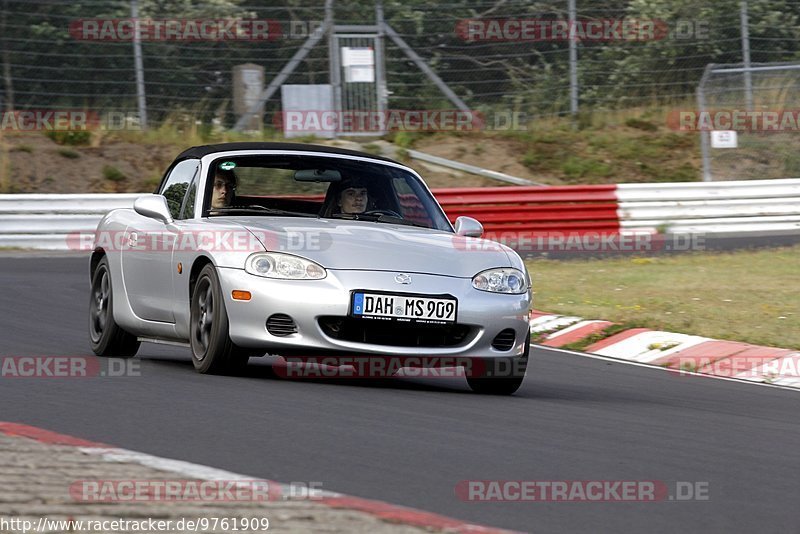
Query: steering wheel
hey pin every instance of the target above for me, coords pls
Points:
(384, 212)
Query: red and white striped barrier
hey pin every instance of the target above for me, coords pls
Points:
(685, 354)
(691, 207)
(509, 214)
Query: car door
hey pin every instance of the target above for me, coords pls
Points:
(147, 250)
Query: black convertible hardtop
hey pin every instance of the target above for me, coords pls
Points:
(204, 150)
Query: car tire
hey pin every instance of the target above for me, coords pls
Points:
(213, 352)
(499, 376)
(107, 338)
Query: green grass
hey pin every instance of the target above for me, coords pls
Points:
(5, 167)
(613, 146)
(750, 296)
(585, 170)
(619, 150)
(581, 344)
(640, 124)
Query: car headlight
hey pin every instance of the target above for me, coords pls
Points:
(283, 266)
(506, 280)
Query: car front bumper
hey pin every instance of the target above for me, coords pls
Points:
(306, 301)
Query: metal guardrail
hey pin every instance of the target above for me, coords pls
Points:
(95, 204)
(712, 208)
(42, 221)
(465, 167)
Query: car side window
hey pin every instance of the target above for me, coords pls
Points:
(188, 203)
(176, 185)
(411, 206)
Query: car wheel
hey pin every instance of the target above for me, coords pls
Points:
(213, 352)
(106, 336)
(500, 376)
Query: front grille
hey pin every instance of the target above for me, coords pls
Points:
(396, 334)
(504, 340)
(281, 325)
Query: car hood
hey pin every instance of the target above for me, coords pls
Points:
(364, 245)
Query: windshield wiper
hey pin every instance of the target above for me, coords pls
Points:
(260, 209)
(354, 216)
(381, 218)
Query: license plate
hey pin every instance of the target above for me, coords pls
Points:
(404, 308)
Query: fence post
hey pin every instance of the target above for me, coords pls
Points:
(573, 63)
(748, 77)
(138, 64)
(704, 136)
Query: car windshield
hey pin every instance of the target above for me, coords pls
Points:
(324, 187)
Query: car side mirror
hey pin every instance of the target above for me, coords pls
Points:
(468, 227)
(154, 207)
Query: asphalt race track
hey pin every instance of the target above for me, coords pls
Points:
(410, 441)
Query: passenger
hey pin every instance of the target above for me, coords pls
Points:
(224, 189)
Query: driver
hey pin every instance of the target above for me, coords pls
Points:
(353, 195)
(353, 199)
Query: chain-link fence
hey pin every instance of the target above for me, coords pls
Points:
(749, 120)
(500, 54)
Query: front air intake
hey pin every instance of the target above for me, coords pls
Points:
(504, 340)
(281, 325)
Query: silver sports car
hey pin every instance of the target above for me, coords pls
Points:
(305, 251)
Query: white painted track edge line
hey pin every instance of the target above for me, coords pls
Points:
(663, 369)
(180, 467)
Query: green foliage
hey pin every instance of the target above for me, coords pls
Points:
(372, 148)
(640, 124)
(309, 138)
(70, 137)
(583, 170)
(174, 195)
(113, 174)
(530, 77)
(530, 159)
(403, 139)
(792, 164)
(67, 153)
